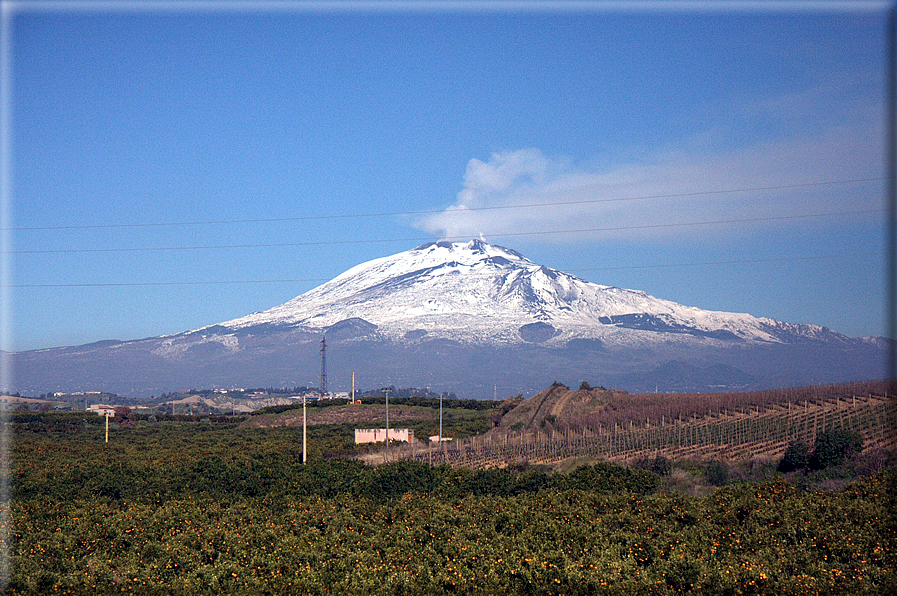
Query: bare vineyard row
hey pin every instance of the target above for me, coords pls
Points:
(728, 435)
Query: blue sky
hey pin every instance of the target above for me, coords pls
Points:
(131, 118)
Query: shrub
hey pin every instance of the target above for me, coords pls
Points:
(584, 386)
(796, 457)
(661, 466)
(717, 473)
(398, 478)
(834, 446)
(611, 478)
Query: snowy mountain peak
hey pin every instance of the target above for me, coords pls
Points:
(476, 292)
(467, 317)
(465, 252)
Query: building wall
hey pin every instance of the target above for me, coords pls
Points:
(378, 435)
(101, 409)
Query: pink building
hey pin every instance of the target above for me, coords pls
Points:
(378, 435)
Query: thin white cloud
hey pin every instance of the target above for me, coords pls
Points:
(527, 176)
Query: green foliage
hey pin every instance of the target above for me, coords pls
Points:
(185, 508)
(585, 386)
(765, 538)
(433, 402)
(603, 477)
(834, 446)
(717, 473)
(797, 457)
(661, 466)
(297, 405)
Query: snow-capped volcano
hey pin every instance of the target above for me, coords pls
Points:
(472, 318)
(479, 293)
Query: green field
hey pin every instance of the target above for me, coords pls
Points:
(206, 507)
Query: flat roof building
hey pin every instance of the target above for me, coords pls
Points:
(378, 435)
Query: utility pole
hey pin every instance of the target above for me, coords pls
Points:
(386, 391)
(304, 455)
(323, 366)
(106, 415)
(440, 418)
(353, 388)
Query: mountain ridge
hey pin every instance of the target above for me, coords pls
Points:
(464, 290)
(466, 317)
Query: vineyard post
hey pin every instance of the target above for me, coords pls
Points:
(808, 428)
(815, 423)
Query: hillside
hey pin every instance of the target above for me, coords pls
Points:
(559, 423)
(557, 406)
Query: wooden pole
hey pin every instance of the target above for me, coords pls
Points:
(304, 436)
(387, 424)
(106, 415)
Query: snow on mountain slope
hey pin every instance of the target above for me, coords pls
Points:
(478, 293)
(513, 324)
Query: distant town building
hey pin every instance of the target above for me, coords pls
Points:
(378, 435)
(435, 439)
(102, 409)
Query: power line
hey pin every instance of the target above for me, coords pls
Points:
(435, 211)
(324, 279)
(735, 262)
(428, 238)
(168, 283)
